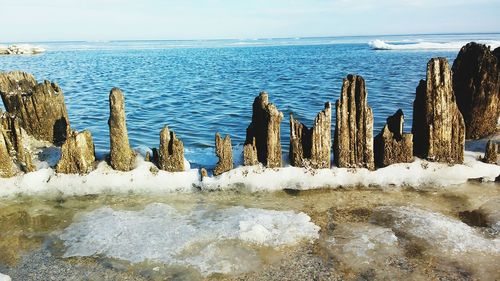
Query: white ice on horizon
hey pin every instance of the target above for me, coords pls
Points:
(209, 239)
(454, 45)
(22, 49)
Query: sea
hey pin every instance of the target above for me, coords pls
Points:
(200, 87)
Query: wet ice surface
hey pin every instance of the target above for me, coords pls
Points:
(371, 234)
(211, 240)
(490, 211)
(439, 232)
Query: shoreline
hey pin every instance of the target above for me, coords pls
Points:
(41, 153)
(145, 178)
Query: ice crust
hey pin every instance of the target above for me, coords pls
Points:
(146, 178)
(419, 173)
(209, 239)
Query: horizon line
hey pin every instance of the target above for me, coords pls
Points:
(257, 38)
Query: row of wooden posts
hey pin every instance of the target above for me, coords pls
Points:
(438, 129)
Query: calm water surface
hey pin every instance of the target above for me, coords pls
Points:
(202, 87)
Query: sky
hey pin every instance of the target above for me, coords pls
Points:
(65, 20)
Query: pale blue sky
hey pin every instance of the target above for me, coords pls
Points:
(46, 20)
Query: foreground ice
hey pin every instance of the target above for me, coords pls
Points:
(4, 277)
(360, 244)
(437, 231)
(209, 239)
(491, 212)
(146, 178)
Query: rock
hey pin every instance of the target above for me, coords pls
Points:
(391, 144)
(265, 130)
(496, 53)
(311, 147)
(224, 151)
(170, 156)
(353, 139)
(147, 158)
(39, 106)
(476, 83)
(122, 157)
(13, 155)
(77, 154)
(155, 156)
(438, 126)
(250, 154)
(491, 153)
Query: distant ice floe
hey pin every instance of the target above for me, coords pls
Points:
(209, 239)
(146, 178)
(20, 50)
(455, 45)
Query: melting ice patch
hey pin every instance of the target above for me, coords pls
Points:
(455, 45)
(436, 230)
(359, 244)
(209, 239)
(491, 212)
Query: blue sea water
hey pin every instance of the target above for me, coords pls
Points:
(198, 88)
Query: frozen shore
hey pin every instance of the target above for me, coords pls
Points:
(146, 178)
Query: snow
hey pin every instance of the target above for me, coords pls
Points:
(418, 174)
(146, 178)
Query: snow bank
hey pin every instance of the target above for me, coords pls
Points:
(436, 230)
(417, 174)
(146, 178)
(209, 239)
(453, 45)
